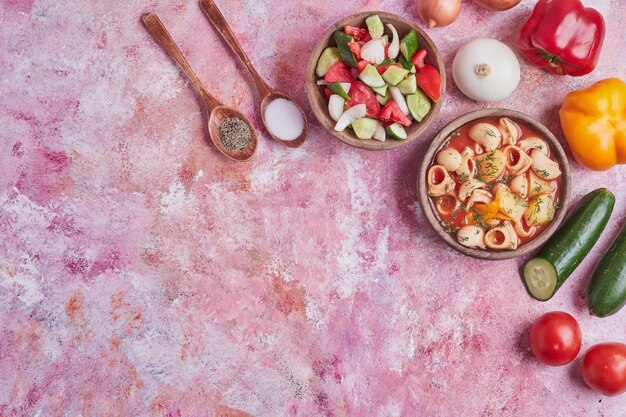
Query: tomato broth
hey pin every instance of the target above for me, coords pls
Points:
(459, 217)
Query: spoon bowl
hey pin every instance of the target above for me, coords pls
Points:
(217, 116)
(215, 111)
(267, 93)
(295, 143)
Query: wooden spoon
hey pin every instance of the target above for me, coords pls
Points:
(215, 110)
(267, 93)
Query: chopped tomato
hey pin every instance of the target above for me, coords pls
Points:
(418, 59)
(392, 113)
(362, 64)
(429, 80)
(358, 34)
(339, 72)
(328, 92)
(355, 73)
(355, 47)
(381, 69)
(362, 94)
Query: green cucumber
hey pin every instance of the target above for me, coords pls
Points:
(365, 127)
(394, 75)
(606, 294)
(409, 45)
(418, 104)
(375, 26)
(408, 85)
(396, 131)
(328, 58)
(381, 91)
(371, 77)
(344, 50)
(336, 88)
(407, 65)
(547, 271)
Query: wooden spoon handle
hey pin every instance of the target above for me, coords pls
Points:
(217, 19)
(159, 32)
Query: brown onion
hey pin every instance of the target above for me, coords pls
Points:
(438, 13)
(497, 5)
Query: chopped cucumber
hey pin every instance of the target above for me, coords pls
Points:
(397, 131)
(407, 65)
(418, 104)
(408, 85)
(328, 58)
(384, 99)
(409, 45)
(375, 26)
(394, 75)
(336, 88)
(365, 127)
(541, 278)
(371, 77)
(344, 50)
(381, 91)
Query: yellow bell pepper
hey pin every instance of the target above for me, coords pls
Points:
(594, 124)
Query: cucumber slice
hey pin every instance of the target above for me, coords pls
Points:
(567, 248)
(381, 91)
(394, 75)
(375, 26)
(344, 50)
(328, 58)
(336, 88)
(418, 104)
(541, 278)
(371, 77)
(382, 100)
(409, 45)
(397, 132)
(365, 127)
(407, 65)
(606, 294)
(408, 85)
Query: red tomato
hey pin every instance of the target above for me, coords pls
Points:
(362, 94)
(355, 47)
(358, 34)
(418, 58)
(392, 113)
(328, 92)
(362, 64)
(429, 80)
(339, 72)
(604, 368)
(555, 338)
(382, 68)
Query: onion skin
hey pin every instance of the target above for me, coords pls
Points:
(438, 13)
(497, 5)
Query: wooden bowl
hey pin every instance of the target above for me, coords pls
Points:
(319, 102)
(437, 144)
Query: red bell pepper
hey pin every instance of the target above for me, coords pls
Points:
(563, 37)
(418, 58)
(429, 80)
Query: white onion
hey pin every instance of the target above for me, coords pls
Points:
(335, 106)
(350, 116)
(394, 48)
(399, 99)
(380, 134)
(374, 51)
(486, 70)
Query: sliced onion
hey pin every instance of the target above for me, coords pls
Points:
(349, 116)
(374, 51)
(394, 48)
(335, 106)
(380, 134)
(399, 99)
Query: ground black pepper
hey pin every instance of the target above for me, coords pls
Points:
(235, 134)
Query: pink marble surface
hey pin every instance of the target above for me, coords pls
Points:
(141, 273)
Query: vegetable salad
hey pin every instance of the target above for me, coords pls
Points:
(376, 82)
